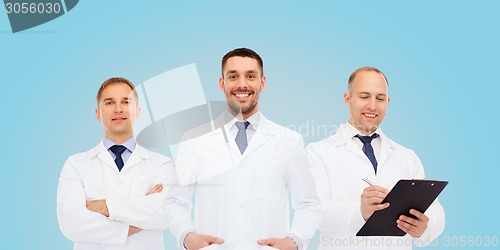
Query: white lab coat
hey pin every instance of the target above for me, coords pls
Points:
(93, 175)
(338, 165)
(244, 198)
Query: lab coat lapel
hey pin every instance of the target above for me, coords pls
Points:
(262, 134)
(349, 143)
(103, 154)
(136, 157)
(228, 139)
(353, 148)
(386, 148)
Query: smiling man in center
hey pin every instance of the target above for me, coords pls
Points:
(244, 171)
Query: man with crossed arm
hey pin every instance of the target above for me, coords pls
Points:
(112, 197)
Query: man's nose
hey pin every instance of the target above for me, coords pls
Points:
(242, 82)
(372, 105)
(118, 108)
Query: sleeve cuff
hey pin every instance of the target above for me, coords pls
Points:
(298, 241)
(183, 237)
(357, 221)
(111, 208)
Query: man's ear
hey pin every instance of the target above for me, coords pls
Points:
(263, 83)
(347, 98)
(98, 114)
(138, 113)
(222, 84)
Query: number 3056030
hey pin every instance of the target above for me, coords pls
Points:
(33, 8)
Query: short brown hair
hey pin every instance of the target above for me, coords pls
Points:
(367, 68)
(115, 80)
(243, 52)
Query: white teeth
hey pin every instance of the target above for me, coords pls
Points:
(242, 95)
(370, 115)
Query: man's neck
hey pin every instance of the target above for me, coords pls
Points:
(363, 131)
(242, 116)
(119, 139)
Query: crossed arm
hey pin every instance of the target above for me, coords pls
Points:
(99, 206)
(107, 222)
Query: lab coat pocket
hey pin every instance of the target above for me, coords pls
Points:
(268, 186)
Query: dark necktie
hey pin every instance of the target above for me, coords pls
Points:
(118, 150)
(368, 149)
(241, 137)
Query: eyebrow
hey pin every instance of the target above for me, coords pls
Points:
(368, 93)
(235, 71)
(111, 99)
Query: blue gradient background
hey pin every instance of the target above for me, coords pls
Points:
(440, 58)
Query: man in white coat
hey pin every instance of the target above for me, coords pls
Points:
(359, 150)
(244, 171)
(112, 197)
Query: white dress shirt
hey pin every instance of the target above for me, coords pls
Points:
(254, 121)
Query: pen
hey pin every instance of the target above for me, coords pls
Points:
(367, 181)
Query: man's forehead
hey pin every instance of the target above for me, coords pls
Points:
(117, 96)
(238, 63)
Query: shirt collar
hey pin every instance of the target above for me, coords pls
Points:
(129, 144)
(352, 131)
(254, 120)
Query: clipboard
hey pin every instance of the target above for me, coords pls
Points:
(405, 195)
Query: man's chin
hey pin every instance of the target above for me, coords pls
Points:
(369, 127)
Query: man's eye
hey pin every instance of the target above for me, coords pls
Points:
(251, 76)
(232, 77)
(364, 97)
(108, 103)
(126, 102)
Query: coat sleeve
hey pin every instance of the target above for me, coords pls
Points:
(78, 223)
(179, 199)
(304, 199)
(149, 211)
(435, 212)
(331, 222)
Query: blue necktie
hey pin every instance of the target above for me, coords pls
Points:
(118, 150)
(368, 149)
(241, 137)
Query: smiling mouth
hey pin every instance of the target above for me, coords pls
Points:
(370, 115)
(119, 119)
(242, 95)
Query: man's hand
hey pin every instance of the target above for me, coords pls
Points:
(98, 206)
(133, 230)
(194, 241)
(370, 200)
(279, 243)
(156, 189)
(414, 227)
